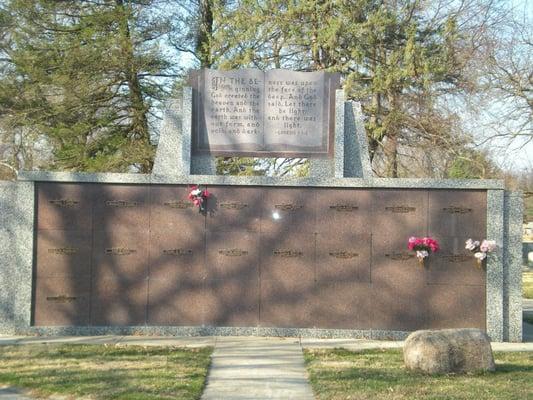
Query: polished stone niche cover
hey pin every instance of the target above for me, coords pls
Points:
(255, 113)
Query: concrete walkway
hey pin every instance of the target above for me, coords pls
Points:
(257, 368)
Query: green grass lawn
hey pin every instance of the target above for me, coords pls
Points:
(380, 374)
(106, 372)
(527, 284)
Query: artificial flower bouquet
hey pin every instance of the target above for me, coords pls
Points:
(422, 246)
(199, 197)
(480, 249)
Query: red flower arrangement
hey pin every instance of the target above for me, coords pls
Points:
(199, 197)
(422, 246)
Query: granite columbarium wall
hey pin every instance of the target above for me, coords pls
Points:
(318, 256)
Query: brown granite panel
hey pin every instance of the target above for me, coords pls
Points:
(458, 306)
(171, 302)
(288, 257)
(121, 207)
(458, 213)
(291, 209)
(398, 214)
(395, 266)
(343, 258)
(232, 255)
(287, 304)
(118, 301)
(63, 253)
(121, 254)
(64, 206)
(232, 302)
(343, 305)
(453, 264)
(171, 210)
(61, 301)
(234, 208)
(177, 256)
(342, 211)
(399, 308)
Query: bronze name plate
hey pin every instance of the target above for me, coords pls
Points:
(343, 254)
(120, 251)
(177, 252)
(64, 203)
(401, 209)
(288, 207)
(288, 253)
(456, 258)
(121, 203)
(237, 205)
(178, 204)
(457, 210)
(61, 299)
(64, 251)
(344, 207)
(400, 256)
(233, 252)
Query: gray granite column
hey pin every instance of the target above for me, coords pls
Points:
(495, 228)
(512, 264)
(16, 255)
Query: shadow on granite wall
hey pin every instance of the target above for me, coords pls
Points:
(124, 255)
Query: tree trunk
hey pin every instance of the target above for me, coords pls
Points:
(139, 120)
(205, 33)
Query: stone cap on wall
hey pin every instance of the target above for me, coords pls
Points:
(146, 179)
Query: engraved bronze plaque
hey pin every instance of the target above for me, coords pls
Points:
(177, 252)
(456, 258)
(64, 251)
(453, 264)
(234, 209)
(289, 210)
(177, 256)
(233, 252)
(61, 299)
(120, 251)
(458, 213)
(170, 211)
(237, 205)
(232, 255)
(400, 256)
(344, 207)
(343, 258)
(121, 203)
(264, 114)
(397, 215)
(64, 206)
(343, 254)
(64, 203)
(401, 209)
(457, 210)
(288, 207)
(178, 204)
(287, 253)
(343, 211)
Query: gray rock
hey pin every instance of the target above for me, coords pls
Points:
(447, 351)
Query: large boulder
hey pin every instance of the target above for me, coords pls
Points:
(448, 351)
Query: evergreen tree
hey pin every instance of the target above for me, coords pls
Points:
(84, 73)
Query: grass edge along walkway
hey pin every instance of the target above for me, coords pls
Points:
(106, 371)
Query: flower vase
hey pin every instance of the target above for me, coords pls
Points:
(421, 261)
(479, 262)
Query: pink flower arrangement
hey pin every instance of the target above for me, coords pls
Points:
(198, 197)
(480, 250)
(422, 246)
